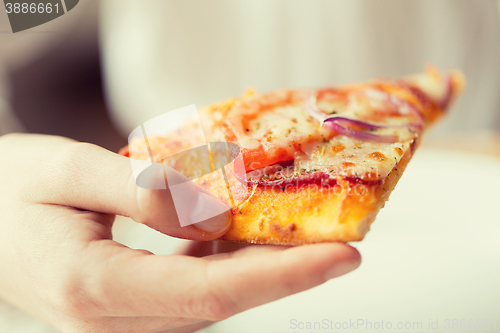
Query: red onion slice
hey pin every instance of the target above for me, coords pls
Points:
(371, 126)
(445, 103)
(335, 124)
(313, 109)
(404, 107)
(343, 125)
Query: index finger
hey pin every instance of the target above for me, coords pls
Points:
(133, 284)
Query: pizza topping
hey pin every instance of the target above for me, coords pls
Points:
(272, 128)
(377, 156)
(403, 106)
(337, 148)
(447, 95)
(275, 127)
(281, 141)
(345, 126)
(325, 162)
(359, 131)
(313, 131)
(392, 107)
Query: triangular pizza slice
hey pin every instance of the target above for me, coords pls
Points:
(318, 164)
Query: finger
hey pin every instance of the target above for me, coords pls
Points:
(135, 324)
(196, 249)
(189, 328)
(135, 284)
(244, 250)
(92, 178)
(205, 249)
(262, 274)
(54, 265)
(223, 247)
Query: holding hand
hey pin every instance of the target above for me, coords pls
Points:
(58, 201)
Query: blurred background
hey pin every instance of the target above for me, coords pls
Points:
(106, 67)
(100, 71)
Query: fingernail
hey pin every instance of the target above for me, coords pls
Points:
(194, 206)
(148, 175)
(342, 268)
(210, 214)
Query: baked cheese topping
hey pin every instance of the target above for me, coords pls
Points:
(284, 126)
(281, 140)
(358, 132)
(345, 157)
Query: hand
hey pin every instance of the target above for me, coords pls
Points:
(58, 261)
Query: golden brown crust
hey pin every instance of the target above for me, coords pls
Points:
(312, 214)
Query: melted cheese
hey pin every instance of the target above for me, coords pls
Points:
(285, 125)
(317, 148)
(345, 157)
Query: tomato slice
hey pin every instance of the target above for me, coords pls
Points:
(124, 151)
(272, 128)
(264, 156)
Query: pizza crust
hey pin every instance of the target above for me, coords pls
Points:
(340, 213)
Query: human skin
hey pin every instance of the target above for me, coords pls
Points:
(58, 260)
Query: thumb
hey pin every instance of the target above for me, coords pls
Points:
(89, 177)
(193, 204)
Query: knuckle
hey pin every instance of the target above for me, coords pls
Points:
(209, 306)
(146, 210)
(8, 138)
(71, 299)
(70, 161)
(144, 205)
(102, 298)
(87, 326)
(74, 296)
(74, 152)
(100, 295)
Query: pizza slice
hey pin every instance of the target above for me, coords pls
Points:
(317, 164)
